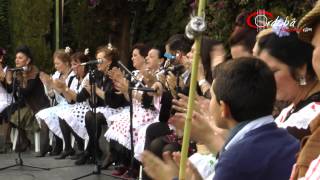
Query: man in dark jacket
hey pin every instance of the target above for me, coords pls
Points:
(242, 101)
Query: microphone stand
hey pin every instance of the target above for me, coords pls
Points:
(130, 89)
(93, 97)
(19, 160)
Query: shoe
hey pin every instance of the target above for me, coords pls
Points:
(7, 147)
(77, 156)
(71, 152)
(83, 159)
(119, 171)
(107, 162)
(56, 150)
(44, 152)
(91, 160)
(130, 174)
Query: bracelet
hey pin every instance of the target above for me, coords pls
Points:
(202, 81)
(175, 178)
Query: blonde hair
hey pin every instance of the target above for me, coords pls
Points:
(63, 56)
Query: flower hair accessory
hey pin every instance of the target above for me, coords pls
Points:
(280, 28)
(109, 46)
(67, 50)
(86, 51)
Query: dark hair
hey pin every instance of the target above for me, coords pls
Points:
(26, 51)
(179, 42)
(289, 50)
(160, 50)
(81, 58)
(243, 36)
(111, 53)
(206, 47)
(248, 86)
(143, 49)
(63, 56)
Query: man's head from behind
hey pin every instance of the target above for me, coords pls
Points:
(244, 90)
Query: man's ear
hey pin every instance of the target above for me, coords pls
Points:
(225, 110)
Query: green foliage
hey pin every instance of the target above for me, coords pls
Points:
(157, 20)
(152, 21)
(4, 29)
(87, 27)
(30, 25)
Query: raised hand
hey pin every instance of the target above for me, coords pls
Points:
(115, 73)
(59, 85)
(46, 79)
(158, 87)
(158, 169)
(121, 85)
(149, 77)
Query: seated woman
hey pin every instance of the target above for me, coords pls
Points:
(48, 118)
(290, 59)
(33, 97)
(76, 112)
(5, 100)
(119, 132)
(109, 102)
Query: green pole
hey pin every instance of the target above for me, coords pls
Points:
(194, 73)
(57, 25)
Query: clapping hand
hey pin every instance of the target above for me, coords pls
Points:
(168, 168)
(59, 85)
(149, 77)
(46, 79)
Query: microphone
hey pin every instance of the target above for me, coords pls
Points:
(165, 69)
(98, 61)
(175, 68)
(24, 68)
(125, 68)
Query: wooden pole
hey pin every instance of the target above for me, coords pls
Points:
(57, 24)
(194, 73)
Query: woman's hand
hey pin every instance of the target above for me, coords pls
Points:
(115, 73)
(157, 86)
(9, 76)
(46, 79)
(149, 77)
(59, 85)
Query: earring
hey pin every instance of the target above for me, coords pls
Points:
(302, 81)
